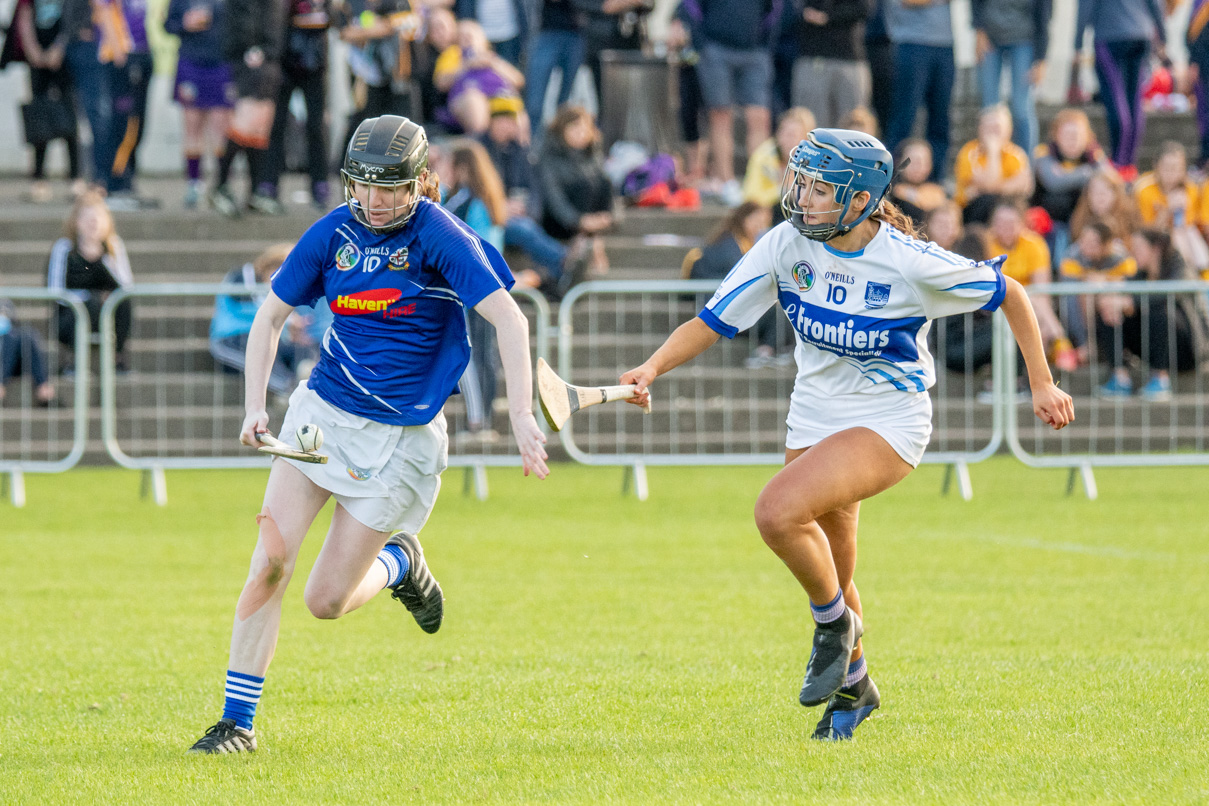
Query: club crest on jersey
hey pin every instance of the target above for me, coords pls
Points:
(877, 295)
(347, 256)
(363, 302)
(803, 275)
(398, 260)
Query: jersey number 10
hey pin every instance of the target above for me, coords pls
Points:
(836, 294)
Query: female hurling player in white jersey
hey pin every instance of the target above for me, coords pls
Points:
(860, 292)
(398, 272)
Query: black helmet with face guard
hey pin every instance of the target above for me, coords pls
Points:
(389, 152)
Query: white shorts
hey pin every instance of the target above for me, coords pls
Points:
(386, 476)
(902, 419)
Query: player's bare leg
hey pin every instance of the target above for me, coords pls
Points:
(345, 575)
(838, 472)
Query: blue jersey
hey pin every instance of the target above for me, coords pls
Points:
(397, 345)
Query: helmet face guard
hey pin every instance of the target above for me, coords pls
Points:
(391, 153)
(850, 162)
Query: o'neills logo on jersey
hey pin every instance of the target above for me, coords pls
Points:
(347, 256)
(803, 275)
(363, 302)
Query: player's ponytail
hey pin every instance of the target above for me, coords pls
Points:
(430, 186)
(891, 214)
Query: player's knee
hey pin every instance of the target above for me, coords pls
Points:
(779, 524)
(323, 604)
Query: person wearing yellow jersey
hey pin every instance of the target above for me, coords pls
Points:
(766, 166)
(1028, 263)
(991, 166)
(1169, 199)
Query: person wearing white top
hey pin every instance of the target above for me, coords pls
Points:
(860, 291)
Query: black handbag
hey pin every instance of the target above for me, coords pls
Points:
(48, 117)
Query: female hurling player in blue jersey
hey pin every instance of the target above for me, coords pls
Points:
(399, 273)
(860, 291)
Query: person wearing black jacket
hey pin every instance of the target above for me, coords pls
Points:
(577, 197)
(253, 46)
(1012, 34)
(830, 77)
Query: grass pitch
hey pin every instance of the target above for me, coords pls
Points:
(1030, 648)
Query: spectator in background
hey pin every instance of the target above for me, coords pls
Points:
(476, 195)
(505, 23)
(90, 259)
(1028, 263)
(1096, 255)
(860, 119)
(252, 46)
(379, 34)
(913, 192)
(1062, 167)
(1144, 326)
(576, 195)
(733, 39)
(126, 55)
(879, 52)
(1014, 35)
(922, 32)
(21, 352)
(473, 74)
(303, 68)
(612, 25)
(784, 54)
(728, 243)
(830, 76)
(1105, 199)
(990, 167)
(692, 111)
(440, 33)
(943, 225)
(560, 267)
(559, 43)
(35, 38)
(1198, 69)
(204, 86)
(77, 41)
(1126, 31)
(766, 165)
(232, 322)
(1168, 199)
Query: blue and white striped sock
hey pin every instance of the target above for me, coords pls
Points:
(856, 670)
(243, 695)
(395, 560)
(830, 611)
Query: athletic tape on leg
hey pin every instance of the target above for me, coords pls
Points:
(261, 589)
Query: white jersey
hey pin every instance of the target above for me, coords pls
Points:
(861, 318)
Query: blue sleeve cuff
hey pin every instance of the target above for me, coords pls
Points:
(1000, 289)
(717, 325)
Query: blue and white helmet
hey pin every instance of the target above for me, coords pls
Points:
(850, 161)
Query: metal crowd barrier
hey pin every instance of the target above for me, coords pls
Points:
(175, 407)
(1120, 430)
(726, 407)
(36, 439)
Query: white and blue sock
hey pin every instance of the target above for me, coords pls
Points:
(243, 695)
(829, 612)
(395, 561)
(856, 671)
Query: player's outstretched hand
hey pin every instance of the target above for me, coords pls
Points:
(255, 422)
(641, 377)
(1053, 406)
(530, 439)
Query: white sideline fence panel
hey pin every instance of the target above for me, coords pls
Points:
(178, 408)
(720, 409)
(1119, 431)
(33, 438)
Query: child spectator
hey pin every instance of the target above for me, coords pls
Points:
(1105, 199)
(1168, 199)
(473, 74)
(1062, 168)
(990, 167)
(912, 191)
(1096, 255)
(232, 322)
(21, 352)
(1028, 262)
(205, 85)
(1143, 325)
(90, 259)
